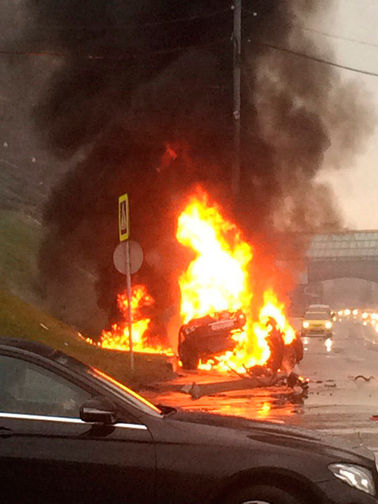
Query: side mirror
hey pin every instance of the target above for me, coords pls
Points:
(99, 410)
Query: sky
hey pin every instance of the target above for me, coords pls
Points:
(355, 185)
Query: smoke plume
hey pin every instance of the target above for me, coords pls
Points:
(143, 95)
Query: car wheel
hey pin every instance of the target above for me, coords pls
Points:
(262, 494)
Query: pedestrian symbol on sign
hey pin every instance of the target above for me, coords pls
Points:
(123, 217)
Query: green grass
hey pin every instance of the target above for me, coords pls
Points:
(20, 237)
(22, 320)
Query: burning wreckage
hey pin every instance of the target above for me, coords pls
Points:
(219, 331)
(203, 338)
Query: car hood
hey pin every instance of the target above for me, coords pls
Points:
(278, 434)
(317, 322)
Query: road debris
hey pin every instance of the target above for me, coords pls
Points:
(362, 377)
(266, 379)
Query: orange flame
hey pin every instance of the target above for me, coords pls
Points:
(218, 279)
(273, 308)
(118, 337)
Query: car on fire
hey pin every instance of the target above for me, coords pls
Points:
(203, 337)
(71, 434)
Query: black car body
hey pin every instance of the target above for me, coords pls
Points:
(203, 337)
(75, 435)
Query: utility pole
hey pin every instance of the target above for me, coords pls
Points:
(236, 38)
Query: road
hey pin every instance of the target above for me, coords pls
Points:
(337, 402)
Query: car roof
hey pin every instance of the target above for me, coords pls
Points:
(30, 346)
(42, 350)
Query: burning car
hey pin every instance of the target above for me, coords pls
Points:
(203, 337)
(224, 322)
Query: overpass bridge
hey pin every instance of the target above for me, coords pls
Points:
(347, 254)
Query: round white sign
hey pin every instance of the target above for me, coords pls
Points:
(136, 257)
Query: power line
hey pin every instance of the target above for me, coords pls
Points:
(5, 52)
(122, 57)
(320, 32)
(188, 19)
(80, 28)
(314, 58)
(133, 53)
(113, 29)
(338, 37)
(136, 55)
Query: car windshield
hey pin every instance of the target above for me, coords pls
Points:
(317, 316)
(124, 392)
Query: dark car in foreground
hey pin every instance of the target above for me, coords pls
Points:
(69, 433)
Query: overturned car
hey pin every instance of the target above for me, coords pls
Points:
(203, 337)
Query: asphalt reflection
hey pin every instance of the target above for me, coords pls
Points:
(342, 398)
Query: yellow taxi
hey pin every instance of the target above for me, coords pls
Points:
(317, 323)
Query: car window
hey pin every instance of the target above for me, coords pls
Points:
(124, 392)
(317, 316)
(30, 389)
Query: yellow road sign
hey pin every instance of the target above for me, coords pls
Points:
(123, 217)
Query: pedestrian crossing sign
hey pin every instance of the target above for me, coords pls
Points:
(123, 217)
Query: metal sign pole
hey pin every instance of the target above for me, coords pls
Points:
(124, 236)
(129, 312)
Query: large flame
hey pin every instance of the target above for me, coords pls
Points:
(118, 337)
(217, 279)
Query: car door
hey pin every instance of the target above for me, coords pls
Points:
(47, 454)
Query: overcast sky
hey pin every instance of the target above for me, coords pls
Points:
(356, 186)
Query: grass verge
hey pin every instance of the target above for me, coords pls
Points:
(20, 237)
(22, 320)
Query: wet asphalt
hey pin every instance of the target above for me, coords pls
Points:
(342, 398)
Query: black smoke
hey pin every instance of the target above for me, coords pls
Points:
(138, 76)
